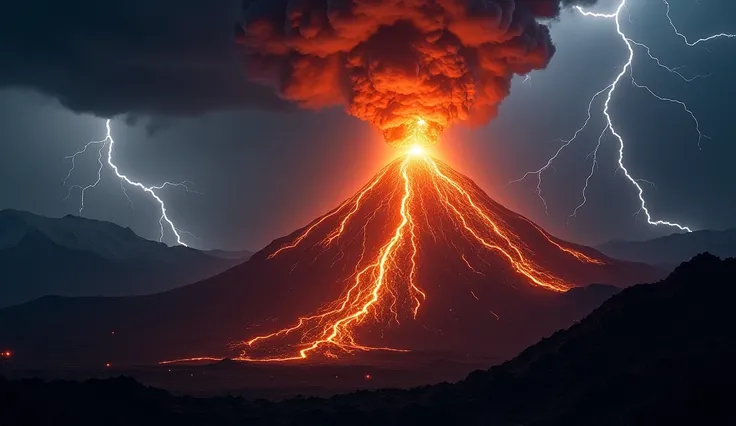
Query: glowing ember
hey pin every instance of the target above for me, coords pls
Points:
(386, 277)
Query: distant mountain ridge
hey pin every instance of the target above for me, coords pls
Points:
(673, 249)
(231, 254)
(75, 256)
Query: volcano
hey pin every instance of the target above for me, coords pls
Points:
(420, 259)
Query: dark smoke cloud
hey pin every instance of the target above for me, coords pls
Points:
(393, 61)
(448, 60)
(141, 57)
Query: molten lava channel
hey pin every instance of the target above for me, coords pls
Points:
(386, 277)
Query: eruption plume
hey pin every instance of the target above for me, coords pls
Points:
(390, 62)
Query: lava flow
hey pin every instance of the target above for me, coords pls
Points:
(384, 280)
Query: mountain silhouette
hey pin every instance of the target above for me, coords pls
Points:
(231, 254)
(73, 256)
(657, 353)
(671, 250)
(491, 282)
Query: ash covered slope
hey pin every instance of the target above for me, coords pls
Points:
(476, 301)
(74, 256)
(654, 354)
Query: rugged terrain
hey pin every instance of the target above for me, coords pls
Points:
(653, 354)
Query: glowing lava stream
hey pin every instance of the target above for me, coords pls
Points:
(375, 286)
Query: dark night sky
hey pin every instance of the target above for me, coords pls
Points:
(263, 173)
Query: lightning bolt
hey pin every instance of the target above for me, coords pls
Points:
(611, 128)
(105, 157)
(684, 38)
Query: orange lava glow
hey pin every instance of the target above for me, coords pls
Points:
(191, 360)
(415, 133)
(381, 279)
(576, 254)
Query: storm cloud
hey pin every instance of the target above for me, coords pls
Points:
(386, 61)
(140, 57)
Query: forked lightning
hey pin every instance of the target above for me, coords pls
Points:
(610, 127)
(106, 147)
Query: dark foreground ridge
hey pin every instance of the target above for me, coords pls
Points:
(653, 354)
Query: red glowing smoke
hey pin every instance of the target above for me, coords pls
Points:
(391, 62)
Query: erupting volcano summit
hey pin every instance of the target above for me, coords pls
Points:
(419, 259)
(411, 206)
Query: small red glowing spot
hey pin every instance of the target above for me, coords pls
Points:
(368, 377)
(107, 365)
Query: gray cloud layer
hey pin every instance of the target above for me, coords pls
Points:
(139, 57)
(162, 57)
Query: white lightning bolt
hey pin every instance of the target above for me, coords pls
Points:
(109, 143)
(609, 91)
(593, 168)
(685, 39)
(565, 144)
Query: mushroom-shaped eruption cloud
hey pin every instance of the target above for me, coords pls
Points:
(409, 67)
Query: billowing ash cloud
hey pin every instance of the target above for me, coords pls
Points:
(394, 62)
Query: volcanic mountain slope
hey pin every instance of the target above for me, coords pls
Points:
(419, 259)
(74, 256)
